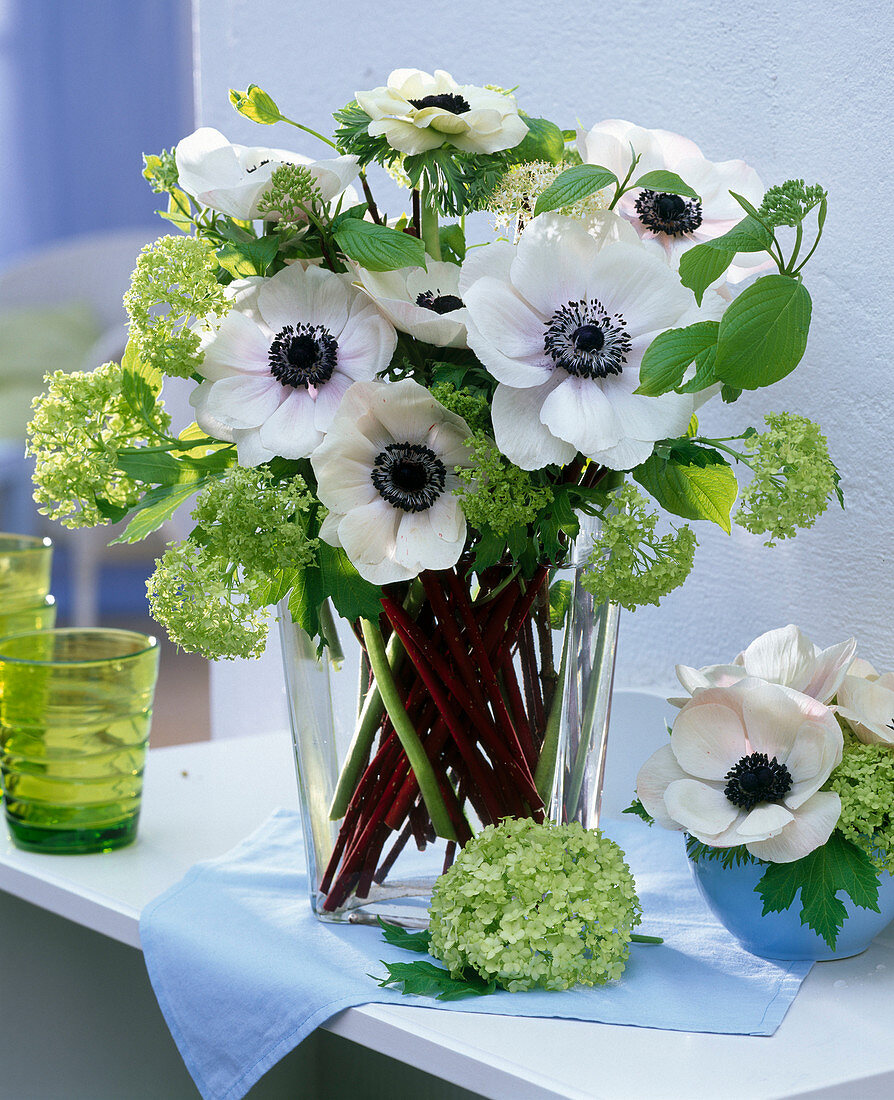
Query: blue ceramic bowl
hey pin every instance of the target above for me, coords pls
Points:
(729, 892)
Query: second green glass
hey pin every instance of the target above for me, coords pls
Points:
(75, 711)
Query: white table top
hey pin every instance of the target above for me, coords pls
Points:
(202, 799)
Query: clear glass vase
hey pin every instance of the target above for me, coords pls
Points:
(506, 688)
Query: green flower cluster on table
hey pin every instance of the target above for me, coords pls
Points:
(524, 906)
(810, 797)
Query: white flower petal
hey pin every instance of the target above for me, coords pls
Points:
(519, 432)
(290, 431)
(708, 738)
(811, 827)
(702, 810)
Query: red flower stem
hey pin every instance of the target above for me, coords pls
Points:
(483, 781)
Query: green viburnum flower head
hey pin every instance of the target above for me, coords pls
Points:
(530, 905)
(79, 425)
(204, 607)
(629, 564)
(517, 192)
(794, 478)
(251, 518)
(495, 493)
(864, 781)
(790, 202)
(291, 187)
(175, 283)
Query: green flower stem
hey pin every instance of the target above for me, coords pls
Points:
(403, 727)
(429, 229)
(370, 716)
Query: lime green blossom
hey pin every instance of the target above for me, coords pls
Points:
(206, 608)
(291, 187)
(495, 493)
(864, 781)
(517, 192)
(473, 409)
(175, 282)
(531, 905)
(789, 203)
(211, 590)
(794, 478)
(79, 425)
(628, 564)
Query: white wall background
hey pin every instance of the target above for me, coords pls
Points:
(795, 89)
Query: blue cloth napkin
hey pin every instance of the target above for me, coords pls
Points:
(243, 971)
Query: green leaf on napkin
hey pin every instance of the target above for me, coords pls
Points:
(836, 866)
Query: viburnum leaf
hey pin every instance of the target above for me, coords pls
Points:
(424, 979)
(838, 866)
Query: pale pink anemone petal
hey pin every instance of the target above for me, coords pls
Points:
(519, 432)
(810, 827)
(290, 430)
(868, 708)
(313, 296)
(701, 809)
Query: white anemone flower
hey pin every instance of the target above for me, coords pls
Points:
(416, 111)
(232, 178)
(424, 303)
(386, 472)
(675, 221)
(279, 363)
(782, 656)
(562, 321)
(866, 703)
(744, 766)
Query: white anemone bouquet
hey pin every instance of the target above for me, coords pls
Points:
(406, 425)
(784, 757)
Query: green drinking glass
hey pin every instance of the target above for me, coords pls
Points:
(75, 711)
(24, 570)
(37, 616)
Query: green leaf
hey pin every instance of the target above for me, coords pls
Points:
(668, 182)
(424, 979)
(670, 354)
(691, 481)
(256, 104)
(353, 597)
(838, 866)
(378, 248)
(453, 242)
(157, 506)
(559, 601)
(400, 937)
(574, 184)
(544, 141)
(246, 258)
(701, 265)
(763, 332)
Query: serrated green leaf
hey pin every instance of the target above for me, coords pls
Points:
(559, 601)
(691, 481)
(544, 141)
(157, 506)
(378, 248)
(424, 979)
(763, 332)
(246, 258)
(574, 184)
(671, 353)
(668, 182)
(352, 596)
(838, 866)
(400, 937)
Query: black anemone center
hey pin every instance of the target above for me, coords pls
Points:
(303, 355)
(663, 212)
(585, 340)
(438, 302)
(449, 101)
(756, 778)
(409, 476)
